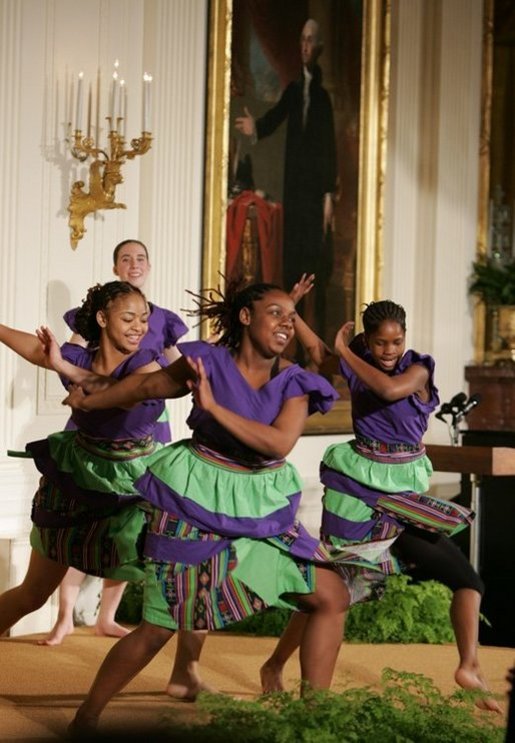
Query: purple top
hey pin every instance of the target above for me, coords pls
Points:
(116, 423)
(401, 422)
(231, 389)
(164, 327)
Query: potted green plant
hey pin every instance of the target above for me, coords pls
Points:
(494, 284)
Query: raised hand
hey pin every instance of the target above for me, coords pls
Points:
(344, 337)
(200, 386)
(50, 347)
(245, 124)
(303, 286)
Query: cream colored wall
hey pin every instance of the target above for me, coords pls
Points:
(430, 218)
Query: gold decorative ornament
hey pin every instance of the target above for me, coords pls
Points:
(105, 169)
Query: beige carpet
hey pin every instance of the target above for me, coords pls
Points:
(40, 687)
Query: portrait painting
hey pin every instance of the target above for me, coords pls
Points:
(295, 156)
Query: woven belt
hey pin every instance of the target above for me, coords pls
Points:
(122, 449)
(383, 452)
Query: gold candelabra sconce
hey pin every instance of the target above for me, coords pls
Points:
(105, 169)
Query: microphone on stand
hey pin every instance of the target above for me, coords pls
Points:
(469, 405)
(457, 408)
(453, 406)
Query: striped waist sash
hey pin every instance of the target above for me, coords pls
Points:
(216, 457)
(379, 451)
(118, 449)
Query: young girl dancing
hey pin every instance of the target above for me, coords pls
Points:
(375, 485)
(84, 512)
(131, 263)
(223, 541)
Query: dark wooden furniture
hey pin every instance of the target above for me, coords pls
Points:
(496, 385)
(488, 487)
(474, 461)
(492, 424)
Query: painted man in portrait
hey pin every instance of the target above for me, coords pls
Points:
(310, 172)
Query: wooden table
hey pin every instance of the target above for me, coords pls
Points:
(475, 461)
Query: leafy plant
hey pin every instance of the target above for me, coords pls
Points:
(493, 282)
(407, 613)
(410, 708)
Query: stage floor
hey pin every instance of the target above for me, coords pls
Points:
(40, 687)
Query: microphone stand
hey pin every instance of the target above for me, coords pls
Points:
(453, 427)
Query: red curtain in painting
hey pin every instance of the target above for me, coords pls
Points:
(269, 220)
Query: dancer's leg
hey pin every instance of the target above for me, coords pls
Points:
(271, 672)
(323, 633)
(465, 622)
(438, 558)
(123, 662)
(42, 578)
(112, 592)
(68, 593)
(185, 682)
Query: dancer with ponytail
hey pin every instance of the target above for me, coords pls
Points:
(375, 486)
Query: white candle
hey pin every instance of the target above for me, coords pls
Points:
(114, 101)
(147, 79)
(97, 112)
(78, 110)
(123, 107)
(89, 111)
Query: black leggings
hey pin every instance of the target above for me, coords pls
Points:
(430, 556)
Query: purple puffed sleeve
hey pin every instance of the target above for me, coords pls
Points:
(69, 318)
(322, 394)
(173, 328)
(413, 357)
(76, 355)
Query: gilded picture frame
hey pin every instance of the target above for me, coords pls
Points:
(362, 282)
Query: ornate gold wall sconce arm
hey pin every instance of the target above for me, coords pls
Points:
(104, 175)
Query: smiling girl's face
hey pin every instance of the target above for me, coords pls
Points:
(270, 322)
(125, 321)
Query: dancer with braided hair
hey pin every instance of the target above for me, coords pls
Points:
(85, 511)
(375, 485)
(131, 263)
(223, 541)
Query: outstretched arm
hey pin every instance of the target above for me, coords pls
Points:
(171, 382)
(389, 388)
(26, 345)
(77, 375)
(275, 440)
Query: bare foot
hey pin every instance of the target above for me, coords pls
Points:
(110, 629)
(58, 632)
(189, 690)
(80, 727)
(271, 677)
(472, 679)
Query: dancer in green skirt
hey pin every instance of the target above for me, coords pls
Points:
(375, 486)
(223, 540)
(85, 511)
